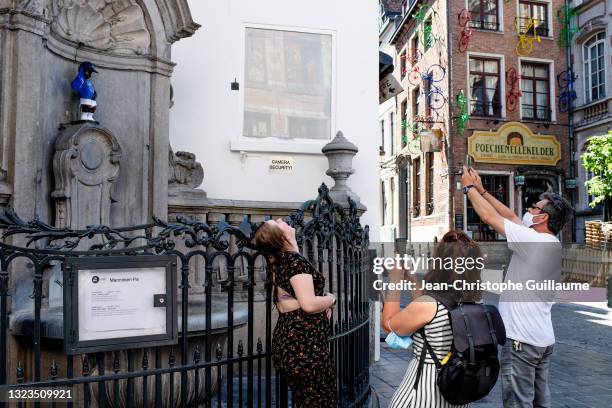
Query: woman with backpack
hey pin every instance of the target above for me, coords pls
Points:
(428, 318)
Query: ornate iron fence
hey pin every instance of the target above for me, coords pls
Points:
(218, 360)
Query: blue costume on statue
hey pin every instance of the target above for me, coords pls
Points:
(83, 85)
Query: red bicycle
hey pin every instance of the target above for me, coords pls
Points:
(411, 58)
(514, 93)
(465, 18)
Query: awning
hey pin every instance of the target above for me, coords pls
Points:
(385, 64)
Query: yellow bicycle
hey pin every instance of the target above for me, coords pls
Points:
(527, 35)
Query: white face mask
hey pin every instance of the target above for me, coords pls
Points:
(528, 219)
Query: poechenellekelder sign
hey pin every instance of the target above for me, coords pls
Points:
(514, 143)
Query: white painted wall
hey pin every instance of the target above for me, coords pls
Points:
(207, 116)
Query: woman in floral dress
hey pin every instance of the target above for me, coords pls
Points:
(300, 347)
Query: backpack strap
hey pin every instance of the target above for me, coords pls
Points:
(448, 303)
(491, 327)
(470, 336)
(426, 349)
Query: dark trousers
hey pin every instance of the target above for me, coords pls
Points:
(524, 373)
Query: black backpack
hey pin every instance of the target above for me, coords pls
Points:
(472, 369)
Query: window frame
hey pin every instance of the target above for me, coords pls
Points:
(427, 45)
(502, 67)
(551, 89)
(403, 118)
(588, 87)
(500, 81)
(383, 202)
(480, 26)
(416, 187)
(548, 11)
(382, 135)
(414, 47)
(392, 133)
(429, 183)
(243, 143)
(416, 104)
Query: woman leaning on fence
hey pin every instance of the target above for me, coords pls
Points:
(300, 348)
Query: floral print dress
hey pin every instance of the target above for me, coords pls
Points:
(300, 347)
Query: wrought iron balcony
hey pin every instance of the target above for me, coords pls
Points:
(536, 112)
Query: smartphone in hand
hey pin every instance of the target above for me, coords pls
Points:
(469, 162)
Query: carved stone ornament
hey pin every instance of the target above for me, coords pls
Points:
(31, 6)
(184, 170)
(85, 166)
(116, 26)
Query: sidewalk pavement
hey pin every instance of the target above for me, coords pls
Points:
(581, 366)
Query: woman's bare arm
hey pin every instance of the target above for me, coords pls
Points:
(411, 318)
(303, 287)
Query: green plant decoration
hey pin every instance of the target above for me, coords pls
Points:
(565, 15)
(463, 117)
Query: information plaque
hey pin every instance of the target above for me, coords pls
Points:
(121, 302)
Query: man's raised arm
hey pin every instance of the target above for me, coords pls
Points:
(500, 207)
(487, 213)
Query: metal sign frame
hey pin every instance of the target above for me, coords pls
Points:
(71, 268)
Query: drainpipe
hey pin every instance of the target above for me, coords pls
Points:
(570, 116)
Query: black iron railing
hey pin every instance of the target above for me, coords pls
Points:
(536, 112)
(484, 25)
(489, 109)
(212, 365)
(527, 25)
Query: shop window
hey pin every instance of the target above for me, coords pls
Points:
(497, 186)
(484, 14)
(534, 186)
(485, 87)
(535, 87)
(416, 188)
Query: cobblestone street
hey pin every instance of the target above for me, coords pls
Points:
(581, 369)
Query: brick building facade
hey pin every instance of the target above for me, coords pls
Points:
(503, 57)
